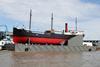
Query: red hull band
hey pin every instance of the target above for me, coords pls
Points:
(38, 40)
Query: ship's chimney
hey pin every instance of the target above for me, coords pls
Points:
(66, 27)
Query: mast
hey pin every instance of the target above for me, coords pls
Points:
(52, 22)
(76, 23)
(26, 49)
(30, 19)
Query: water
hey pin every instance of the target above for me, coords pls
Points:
(5, 59)
(49, 59)
(91, 59)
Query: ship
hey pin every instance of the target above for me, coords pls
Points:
(49, 37)
(23, 36)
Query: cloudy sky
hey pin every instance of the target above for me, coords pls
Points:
(16, 13)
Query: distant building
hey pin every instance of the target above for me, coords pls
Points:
(94, 42)
(10, 34)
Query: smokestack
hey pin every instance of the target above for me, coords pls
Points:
(66, 27)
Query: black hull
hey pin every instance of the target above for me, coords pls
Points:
(22, 36)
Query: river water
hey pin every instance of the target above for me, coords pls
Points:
(49, 59)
